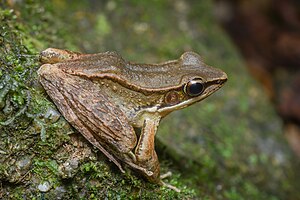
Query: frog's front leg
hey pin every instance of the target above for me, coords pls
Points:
(145, 155)
(145, 150)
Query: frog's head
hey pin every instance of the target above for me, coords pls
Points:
(197, 81)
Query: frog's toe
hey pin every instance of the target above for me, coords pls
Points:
(166, 175)
(170, 186)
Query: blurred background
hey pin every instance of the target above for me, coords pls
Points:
(245, 138)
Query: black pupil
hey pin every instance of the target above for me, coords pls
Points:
(195, 89)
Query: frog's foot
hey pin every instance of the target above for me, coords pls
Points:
(166, 175)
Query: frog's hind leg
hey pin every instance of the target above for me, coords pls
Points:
(86, 133)
(94, 142)
(65, 104)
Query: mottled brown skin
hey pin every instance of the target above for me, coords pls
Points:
(105, 98)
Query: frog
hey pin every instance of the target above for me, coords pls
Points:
(117, 105)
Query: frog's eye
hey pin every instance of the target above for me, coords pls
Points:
(194, 87)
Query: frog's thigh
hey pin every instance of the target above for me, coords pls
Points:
(88, 110)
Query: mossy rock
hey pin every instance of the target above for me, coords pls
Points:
(223, 148)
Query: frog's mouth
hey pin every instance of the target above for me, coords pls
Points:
(211, 87)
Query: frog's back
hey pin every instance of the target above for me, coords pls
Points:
(92, 64)
(162, 76)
